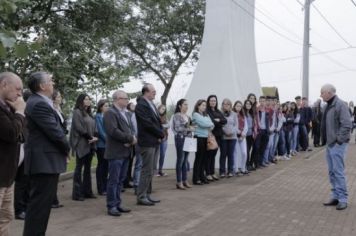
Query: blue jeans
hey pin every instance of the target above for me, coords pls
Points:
(335, 157)
(227, 149)
(294, 144)
(117, 175)
(269, 149)
(288, 138)
(182, 159)
(138, 166)
(162, 154)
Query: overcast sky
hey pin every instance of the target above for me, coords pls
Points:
(286, 17)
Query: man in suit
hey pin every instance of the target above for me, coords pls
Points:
(120, 140)
(12, 121)
(46, 151)
(150, 134)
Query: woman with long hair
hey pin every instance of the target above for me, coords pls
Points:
(288, 129)
(241, 145)
(296, 115)
(219, 121)
(251, 132)
(181, 127)
(57, 103)
(162, 110)
(83, 137)
(228, 141)
(102, 166)
(204, 125)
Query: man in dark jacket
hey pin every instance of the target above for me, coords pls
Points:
(12, 121)
(150, 134)
(336, 130)
(120, 140)
(46, 151)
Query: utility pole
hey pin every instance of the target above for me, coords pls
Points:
(306, 45)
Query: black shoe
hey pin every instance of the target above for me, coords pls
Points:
(128, 185)
(123, 210)
(114, 212)
(102, 194)
(153, 200)
(332, 202)
(56, 206)
(20, 216)
(341, 206)
(78, 199)
(123, 190)
(145, 202)
(198, 183)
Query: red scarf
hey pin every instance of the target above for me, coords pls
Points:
(241, 120)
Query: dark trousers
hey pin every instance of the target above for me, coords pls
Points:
(42, 192)
(101, 171)
(303, 137)
(128, 178)
(316, 133)
(210, 159)
(149, 156)
(22, 189)
(288, 138)
(260, 147)
(82, 185)
(227, 149)
(117, 176)
(200, 158)
(250, 158)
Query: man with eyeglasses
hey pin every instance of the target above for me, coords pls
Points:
(120, 141)
(46, 152)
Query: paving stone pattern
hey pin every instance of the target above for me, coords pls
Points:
(281, 200)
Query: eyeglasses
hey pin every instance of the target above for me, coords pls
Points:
(123, 98)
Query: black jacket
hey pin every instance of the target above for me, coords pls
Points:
(216, 114)
(148, 124)
(11, 135)
(47, 147)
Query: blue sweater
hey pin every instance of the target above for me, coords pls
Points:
(203, 123)
(101, 131)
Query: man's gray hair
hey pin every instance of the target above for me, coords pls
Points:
(116, 94)
(329, 88)
(6, 76)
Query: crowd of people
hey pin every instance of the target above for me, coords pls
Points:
(130, 143)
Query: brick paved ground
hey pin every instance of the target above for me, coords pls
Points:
(282, 200)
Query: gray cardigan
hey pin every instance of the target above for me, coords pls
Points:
(83, 128)
(338, 122)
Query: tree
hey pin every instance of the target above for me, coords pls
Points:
(66, 38)
(159, 36)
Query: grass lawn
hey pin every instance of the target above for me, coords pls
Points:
(71, 164)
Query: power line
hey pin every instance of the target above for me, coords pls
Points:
(331, 26)
(353, 2)
(272, 20)
(312, 75)
(267, 26)
(297, 57)
(336, 62)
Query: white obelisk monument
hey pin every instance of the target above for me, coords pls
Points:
(227, 63)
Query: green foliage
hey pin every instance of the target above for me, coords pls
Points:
(159, 36)
(96, 45)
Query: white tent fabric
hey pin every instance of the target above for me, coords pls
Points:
(227, 65)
